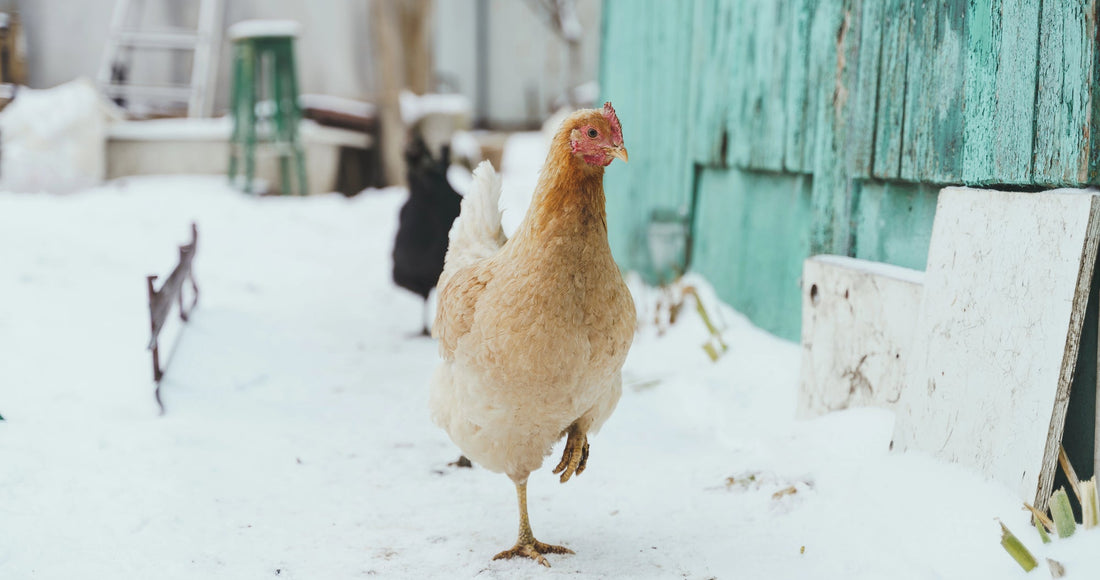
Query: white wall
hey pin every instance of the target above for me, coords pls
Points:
(527, 70)
(66, 39)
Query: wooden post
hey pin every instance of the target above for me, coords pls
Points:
(416, 30)
(391, 128)
(401, 34)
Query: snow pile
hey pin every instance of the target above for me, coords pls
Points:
(55, 139)
(523, 157)
(263, 29)
(415, 107)
(297, 442)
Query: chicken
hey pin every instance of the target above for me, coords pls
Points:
(533, 331)
(425, 219)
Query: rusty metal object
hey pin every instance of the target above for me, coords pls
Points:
(160, 302)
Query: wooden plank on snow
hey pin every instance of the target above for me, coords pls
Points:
(999, 331)
(858, 322)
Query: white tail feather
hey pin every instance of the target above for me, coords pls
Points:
(476, 234)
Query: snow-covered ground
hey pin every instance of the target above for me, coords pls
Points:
(297, 442)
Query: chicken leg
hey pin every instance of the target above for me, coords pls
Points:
(425, 330)
(526, 545)
(575, 457)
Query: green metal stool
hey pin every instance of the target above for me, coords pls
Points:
(263, 54)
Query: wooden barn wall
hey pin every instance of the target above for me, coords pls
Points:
(646, 47)
(796, 127)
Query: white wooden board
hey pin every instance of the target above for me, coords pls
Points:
(997, 338)
(858, 322)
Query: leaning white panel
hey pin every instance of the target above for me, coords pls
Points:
(998, 333)
(858, 322)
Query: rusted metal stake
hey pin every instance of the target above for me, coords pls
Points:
(160, 302)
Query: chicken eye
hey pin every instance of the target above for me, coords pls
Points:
(592, 134)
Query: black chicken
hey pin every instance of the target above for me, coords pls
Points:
(424, 222)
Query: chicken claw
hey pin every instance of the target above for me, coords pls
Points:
(526, 544)
(575, 457)
(534, 550)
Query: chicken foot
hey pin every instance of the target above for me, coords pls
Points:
(526, 544)
(575, 457)
(426, 320)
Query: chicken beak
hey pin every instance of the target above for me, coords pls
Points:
(619, 152)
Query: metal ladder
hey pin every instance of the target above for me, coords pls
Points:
(124, 39)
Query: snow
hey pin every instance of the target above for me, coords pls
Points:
(415, 107)
(460, 179)
(523, 156)
(54, 139)
(173, 129)
(221, 129)
(466, 147)
(876, 268)
(297, 442)
(263, 28)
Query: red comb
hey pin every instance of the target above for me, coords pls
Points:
(613, 120)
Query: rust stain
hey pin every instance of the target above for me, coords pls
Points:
(840, 93)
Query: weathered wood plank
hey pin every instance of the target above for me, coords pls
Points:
(932, 150)
(650, 44)
(1016, 86)
(752, 234)
(712, 49)
(983, 45)
(741, 68)
(859, 319)
(1066, 76)
(942, 161)
(999, 332)
(893, 222)
(890, 104)
(800, 98)
(834, 46)
(920, 93)
(862, 142)
(762, 112)
(1092, 31)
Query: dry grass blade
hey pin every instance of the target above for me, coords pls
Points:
(1040, 516)
(1090, 505)
(1017, 550)
(1074, 483)
(1064, 523)
(1043, 534)
(715, 347)
(1057, 570)
(789, 490)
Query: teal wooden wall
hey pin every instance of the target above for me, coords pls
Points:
(795, 127)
